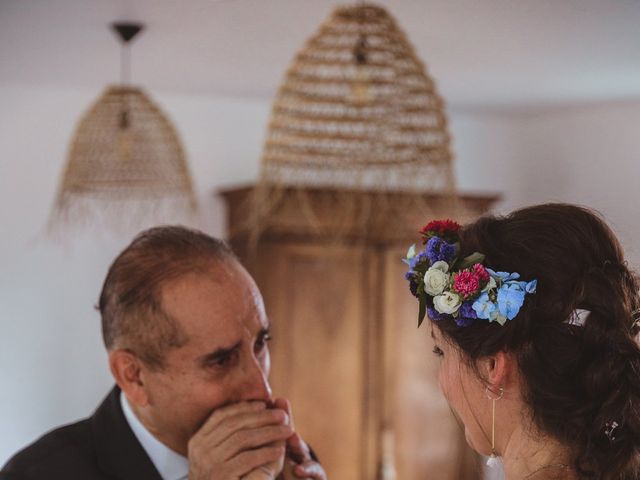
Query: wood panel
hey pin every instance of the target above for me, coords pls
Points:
(314, 297)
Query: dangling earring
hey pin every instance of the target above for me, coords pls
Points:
(493, 459)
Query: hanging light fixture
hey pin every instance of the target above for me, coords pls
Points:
(126, 162)
(356, 112)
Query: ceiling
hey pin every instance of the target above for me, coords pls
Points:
(482, 53)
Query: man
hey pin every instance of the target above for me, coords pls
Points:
(187, 337)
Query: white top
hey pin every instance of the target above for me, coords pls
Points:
(170, 465)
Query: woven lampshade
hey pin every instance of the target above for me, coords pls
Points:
(356, 111)
(126, 158)
(126, 163)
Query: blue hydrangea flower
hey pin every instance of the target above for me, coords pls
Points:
(503, 276)
(531, 286)
(510, 299)
(437, 249)
(485, 308)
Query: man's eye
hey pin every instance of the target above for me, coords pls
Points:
(221, 361)
(438, 352)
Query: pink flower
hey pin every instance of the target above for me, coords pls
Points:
(481, 272)
(466, 283)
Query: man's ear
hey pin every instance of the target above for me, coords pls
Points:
(497, 370)
(126, 369)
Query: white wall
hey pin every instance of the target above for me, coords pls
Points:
(588, 155)
(52, 365)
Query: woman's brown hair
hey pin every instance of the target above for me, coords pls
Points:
(581, 382)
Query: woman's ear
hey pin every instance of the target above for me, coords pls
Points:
(126, 369)
(497, 370)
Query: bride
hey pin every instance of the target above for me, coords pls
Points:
(535, 318)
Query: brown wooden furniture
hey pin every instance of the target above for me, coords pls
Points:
(346, 350)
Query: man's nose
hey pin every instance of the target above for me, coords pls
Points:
(256, 384)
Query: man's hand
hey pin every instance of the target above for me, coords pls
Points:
(244, 440)
(298, 462)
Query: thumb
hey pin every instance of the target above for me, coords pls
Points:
(284, 404)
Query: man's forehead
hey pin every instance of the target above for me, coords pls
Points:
(223, 297)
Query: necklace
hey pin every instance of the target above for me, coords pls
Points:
(544, 467)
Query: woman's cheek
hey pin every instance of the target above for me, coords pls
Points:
(443, 380)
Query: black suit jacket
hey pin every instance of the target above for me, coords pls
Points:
(101, 447)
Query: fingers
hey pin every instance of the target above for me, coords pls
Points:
(301, 465)
(310, 469)
(237, 439)
(221, 414)
(226, 421)
(297, 449)
(247, 461)
(254, 438)
(253, 421)
(284, 404)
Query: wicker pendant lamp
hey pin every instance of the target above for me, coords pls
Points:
(126, 162)
(356, 112)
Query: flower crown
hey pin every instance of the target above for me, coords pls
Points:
(462, 289)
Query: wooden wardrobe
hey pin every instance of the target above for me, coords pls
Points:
(346, 351)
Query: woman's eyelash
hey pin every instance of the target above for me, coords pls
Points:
(437, 351)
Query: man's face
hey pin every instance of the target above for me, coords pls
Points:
(225, 359)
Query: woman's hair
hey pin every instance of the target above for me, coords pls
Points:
(581, 382)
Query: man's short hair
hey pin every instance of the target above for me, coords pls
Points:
(130, 303)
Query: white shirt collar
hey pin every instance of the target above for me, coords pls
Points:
(170, 465)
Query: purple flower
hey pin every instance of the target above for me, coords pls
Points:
(466, 315)
(464, 322)
(413, 279)
(437, 249)
(418, 259)
(467, 311)
(436, 316)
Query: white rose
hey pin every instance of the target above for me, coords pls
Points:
(448, 303)
(441, 265)
(436, 279)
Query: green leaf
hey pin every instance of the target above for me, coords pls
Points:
(422, 311)
(472, 259)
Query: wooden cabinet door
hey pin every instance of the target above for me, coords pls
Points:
(428, 442)
(315, 298)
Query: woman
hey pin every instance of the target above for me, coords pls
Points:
(535, 318)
